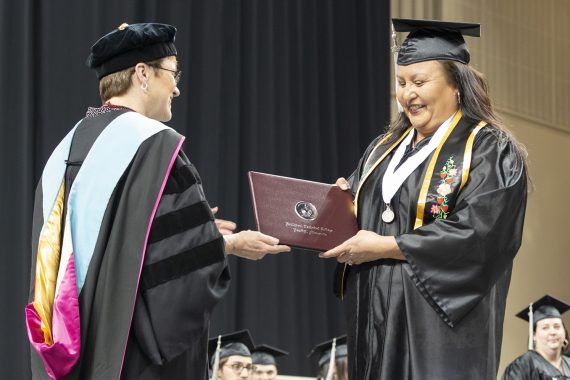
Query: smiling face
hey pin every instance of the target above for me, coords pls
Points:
(426, 94)
(162, 89)
(549, 336)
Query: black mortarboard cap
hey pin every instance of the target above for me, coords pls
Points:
(265, 354)
(236, 343)
(323, 350)
(130, 44)
(545, 307)
(434, 40)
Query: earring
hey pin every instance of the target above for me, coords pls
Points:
(144, 86)
(458, 98)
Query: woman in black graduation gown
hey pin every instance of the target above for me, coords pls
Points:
(440, 201)
(544, 359)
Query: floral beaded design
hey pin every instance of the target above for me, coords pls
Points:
(447, 174)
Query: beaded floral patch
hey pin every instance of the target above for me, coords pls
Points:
(447, 174)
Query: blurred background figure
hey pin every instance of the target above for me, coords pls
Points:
(548, 340)
(264, 363)
(332, 359)
(230, 356)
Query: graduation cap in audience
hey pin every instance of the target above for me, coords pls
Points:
(433, 40)
(130, 44)
(265, 354)
(237, 343)
(545, 307)
(329, 351)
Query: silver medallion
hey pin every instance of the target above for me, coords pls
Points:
(388, 215)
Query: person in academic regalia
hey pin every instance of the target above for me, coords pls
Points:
(265, 365)
(332, 359)
(230, 356)
(128, 259)
(548, 338)
(440, 201)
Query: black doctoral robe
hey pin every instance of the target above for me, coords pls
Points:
(163, 335)
(439, 314)
(532, 366)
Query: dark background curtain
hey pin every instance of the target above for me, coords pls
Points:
(295, 88)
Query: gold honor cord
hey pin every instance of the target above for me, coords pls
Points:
(47, 265)
(366, 175)
(469, 153)
(429, 172)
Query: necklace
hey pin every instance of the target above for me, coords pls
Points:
(111, 105)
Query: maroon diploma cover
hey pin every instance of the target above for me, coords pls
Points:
(301, 213)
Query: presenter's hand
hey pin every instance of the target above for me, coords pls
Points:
(365, 246)
(226, 227)
(342, 183)
(253, 245)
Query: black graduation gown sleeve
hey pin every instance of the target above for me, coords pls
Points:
(455, 262)
(184, 273)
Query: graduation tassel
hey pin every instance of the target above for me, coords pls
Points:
(395, 48)
(530, 327)
(332, 364)
(216, 364)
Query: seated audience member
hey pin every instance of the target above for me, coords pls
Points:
(332, 359)
(265, 366)
(230, 356)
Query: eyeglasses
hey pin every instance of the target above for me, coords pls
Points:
(238, 367)
(177, 74)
